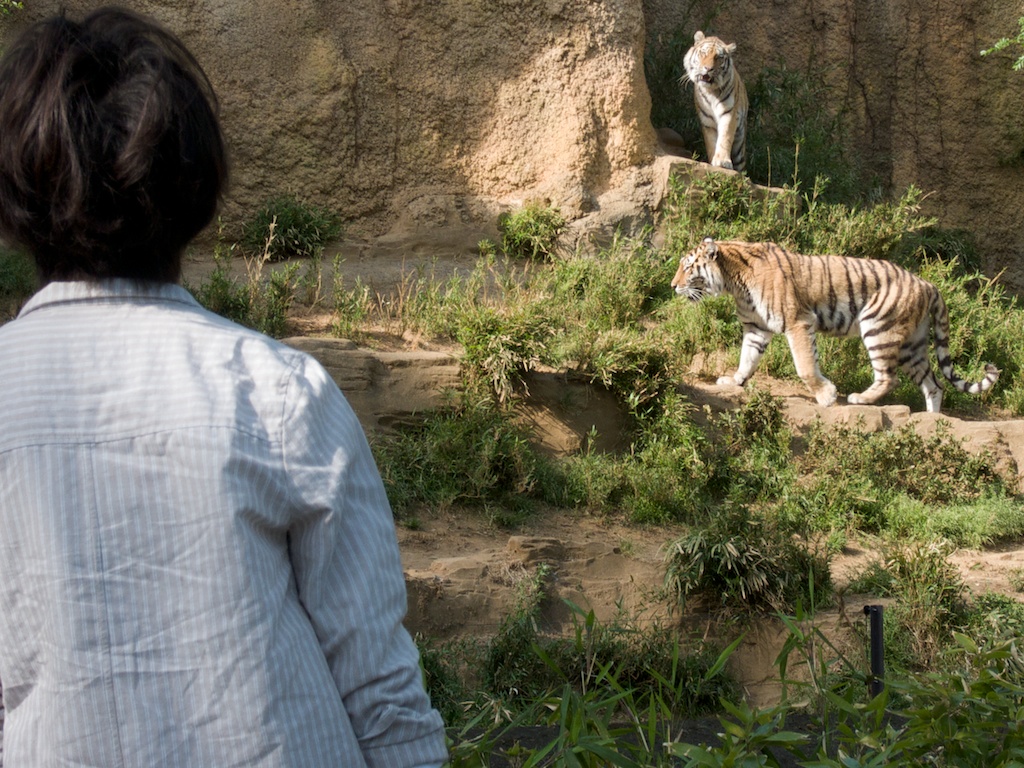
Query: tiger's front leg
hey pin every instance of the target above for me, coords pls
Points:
(805, 357)
(755, 342)
(712, 140)
(726, 134)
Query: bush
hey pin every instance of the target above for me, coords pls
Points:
(468, 454)
(530, 232)
(500, 348)
(285, 227)
(793, 138)
(743, 563)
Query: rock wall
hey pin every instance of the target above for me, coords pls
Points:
(406, 114)
(421, 119)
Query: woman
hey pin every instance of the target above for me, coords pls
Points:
(198, 564)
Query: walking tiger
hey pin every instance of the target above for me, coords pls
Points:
(778, 291)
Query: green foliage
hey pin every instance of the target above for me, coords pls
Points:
(531, 232)
(6, 6)
(929, 601)
(258, 302)
(744, 564)
(286, 227)
(443, 678)
(793, 137)
(352, 306)
(987, 521)
(522, 664)
(1010, 42)
(935, 470)
(17, 281)
(856, 480)
(729, 208)
(749, 737)
(469, 454)
(967, 715)
(500, 348)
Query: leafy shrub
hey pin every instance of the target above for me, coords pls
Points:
(285, 227)
(792, 137)
(530, 232)
(499, 348)
(613, 290)
(467, 454)
(631, 364)
(929, 600)
(654, 664)
(934, 470)
(744, 564)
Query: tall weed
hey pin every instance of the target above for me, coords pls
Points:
(259, 301)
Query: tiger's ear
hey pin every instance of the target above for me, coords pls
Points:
(730, 48)
(710, 247)
(698, 36)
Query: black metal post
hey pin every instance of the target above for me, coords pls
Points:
(877, 679)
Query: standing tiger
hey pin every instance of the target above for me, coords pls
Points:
(721, 100)
(777, 291)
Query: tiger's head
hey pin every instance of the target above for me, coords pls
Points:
(709, 60)
(699, 274)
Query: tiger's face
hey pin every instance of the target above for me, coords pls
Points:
(709, 61)
(698, 275)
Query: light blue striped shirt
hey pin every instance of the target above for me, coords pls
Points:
(198, 564)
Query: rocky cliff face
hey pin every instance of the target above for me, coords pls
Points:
(419, 119)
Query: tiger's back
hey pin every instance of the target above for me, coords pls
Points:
(778, 291)
(720, 98)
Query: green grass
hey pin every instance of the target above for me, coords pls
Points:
(259, 300)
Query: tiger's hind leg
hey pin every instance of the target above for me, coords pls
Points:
(913, 359)
(884, 351)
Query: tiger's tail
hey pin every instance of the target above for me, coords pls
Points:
(940, 323)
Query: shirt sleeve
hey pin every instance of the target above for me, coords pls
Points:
(349, 576)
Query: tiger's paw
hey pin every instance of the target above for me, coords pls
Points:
(826, 396)
(728, 381)
(727, 164)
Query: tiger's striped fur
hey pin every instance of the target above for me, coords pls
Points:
(721, 100)
(777, 291)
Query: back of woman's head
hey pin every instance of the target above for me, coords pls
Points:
(111, 156)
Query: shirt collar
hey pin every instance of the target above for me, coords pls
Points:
(110, 290)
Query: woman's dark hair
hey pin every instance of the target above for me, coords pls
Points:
(111, 156)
